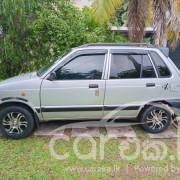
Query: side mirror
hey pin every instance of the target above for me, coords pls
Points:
(52, 76)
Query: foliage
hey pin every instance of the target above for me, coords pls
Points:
(104, 9)
(174, 23)
(149, 18)
(14, 20)
(147, 40)
(94, 32)
(140, 14)
(100, 32)
(120, 17)
(58, 27)
(117, 38)
(37, 31)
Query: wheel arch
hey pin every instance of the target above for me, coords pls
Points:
(24, 105)
(146, 105)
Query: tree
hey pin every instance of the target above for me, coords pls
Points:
(34, 32)
(59, 26)
(164, 14)
(16, 18)
(15, 30)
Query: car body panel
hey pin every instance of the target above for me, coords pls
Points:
(125, 92)
(11, 89)
(64, 95)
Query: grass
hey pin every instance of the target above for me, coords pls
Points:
(30, 158)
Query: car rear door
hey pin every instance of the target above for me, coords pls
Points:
(78, 91)
(131, 81)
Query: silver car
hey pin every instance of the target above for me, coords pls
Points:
(91, 81)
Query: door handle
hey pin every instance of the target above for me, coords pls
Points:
(150, 84)
(93, 86)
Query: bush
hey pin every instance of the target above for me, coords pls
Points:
(14, 54)
(36, 32)
(58, 27)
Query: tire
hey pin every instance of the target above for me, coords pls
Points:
(156, 119)
(16, 122)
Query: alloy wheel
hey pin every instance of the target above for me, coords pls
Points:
(157, 119)
(15, 123)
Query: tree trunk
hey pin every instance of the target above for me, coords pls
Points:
(160, 23)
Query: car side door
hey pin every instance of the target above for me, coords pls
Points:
(79, 87)
(132, 81)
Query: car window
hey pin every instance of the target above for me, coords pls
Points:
(44, 69)
(131, 66)
(161, 67)
(82, 67)
(147, 68)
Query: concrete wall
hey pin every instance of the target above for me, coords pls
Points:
(81, 3)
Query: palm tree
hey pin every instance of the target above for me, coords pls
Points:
(164, 15)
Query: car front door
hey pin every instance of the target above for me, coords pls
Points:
(132, 81)
(78, 90)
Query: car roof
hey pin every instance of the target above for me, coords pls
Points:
(119, 44)
(144, 46)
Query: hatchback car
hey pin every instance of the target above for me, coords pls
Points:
(88, 83)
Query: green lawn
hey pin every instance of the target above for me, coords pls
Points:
(30, 158)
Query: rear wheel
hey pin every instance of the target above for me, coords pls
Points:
(16, 122)
(156, 119)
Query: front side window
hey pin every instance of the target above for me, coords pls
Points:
(131, 66)
(162, 69)
(82, 67)
(44, 69)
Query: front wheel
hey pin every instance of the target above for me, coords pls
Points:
(156, 119)
(16, 122)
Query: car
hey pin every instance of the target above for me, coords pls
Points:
(91, 81)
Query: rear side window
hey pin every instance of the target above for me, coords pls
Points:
(131, 66)
(147, 68)
(161, 67)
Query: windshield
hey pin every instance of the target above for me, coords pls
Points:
(44, 69)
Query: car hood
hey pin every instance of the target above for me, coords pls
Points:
(22, 77)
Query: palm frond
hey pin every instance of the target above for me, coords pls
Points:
(102, 10)
(160, 23)
(149, 17)
(137, 13)
(174, 23)
(178, 5)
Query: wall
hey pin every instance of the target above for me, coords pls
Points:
(81, 3)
